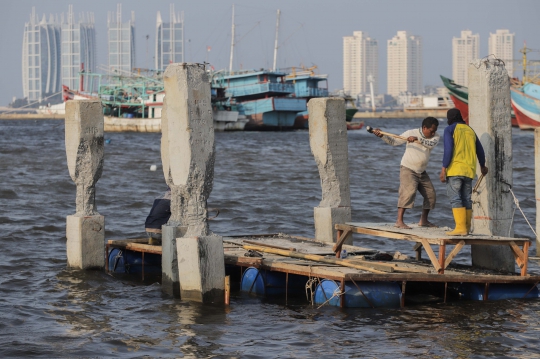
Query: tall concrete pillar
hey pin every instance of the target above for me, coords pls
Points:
(85, 230)
(187, 151)
(489, 116)
(328, 141)
(537, 186)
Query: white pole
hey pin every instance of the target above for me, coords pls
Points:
(232, 41)
(370, 80)
(276, 43)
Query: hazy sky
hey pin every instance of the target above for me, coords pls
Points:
(311, 31)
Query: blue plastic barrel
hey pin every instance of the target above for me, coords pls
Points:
(378, 294)
(496, 291)
(268, 283)
(130, 262)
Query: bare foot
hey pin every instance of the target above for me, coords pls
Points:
(401, 225)
(427, 224)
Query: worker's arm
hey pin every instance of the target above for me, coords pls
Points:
(448, 139)
(391, 140)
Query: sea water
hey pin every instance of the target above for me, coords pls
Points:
(265, 182)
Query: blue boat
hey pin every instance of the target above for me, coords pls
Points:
(306, 86)
(526, 105)
(262, 96)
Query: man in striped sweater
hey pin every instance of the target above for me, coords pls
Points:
(413, 176)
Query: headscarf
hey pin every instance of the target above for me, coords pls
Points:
(453, 115)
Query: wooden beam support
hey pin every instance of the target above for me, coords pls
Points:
(418, 249)
(454, 253)
(342, 237)
(525, 258)
(431, 254)
(442, 255)
(518, 254)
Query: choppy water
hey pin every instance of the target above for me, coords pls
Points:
(264, 183)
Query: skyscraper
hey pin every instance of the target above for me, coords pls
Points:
(78, 48)
(360, 59)
(464, 50)
(405, 64)
(169, 39)
(501, 44)
(40, 57)
(121, 42)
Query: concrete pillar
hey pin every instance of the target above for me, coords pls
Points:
(202, 269)
(187, 151)
(489, 116)
(328, 141)
(85, 230)
(537, 186)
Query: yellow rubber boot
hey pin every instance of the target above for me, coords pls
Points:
(468, 220)
(460, 217)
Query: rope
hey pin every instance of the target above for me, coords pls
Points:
(518, 207)
(310, 284)
(337, 293)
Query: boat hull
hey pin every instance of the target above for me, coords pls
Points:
(271, 113)
(526, 108)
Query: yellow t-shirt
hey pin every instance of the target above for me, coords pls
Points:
(464, 157)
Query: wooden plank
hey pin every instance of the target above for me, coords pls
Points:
(431, 254)
(121, 243)
(257, 243)
(454, 252)
(313, 257)
(146, 248)
(441, 278)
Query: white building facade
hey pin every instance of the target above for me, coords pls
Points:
(40, 58)
(121, 42)
(169, 40)
(78, 48)
(405, 65)
(501, 44)
(360, 61)
(464, 50)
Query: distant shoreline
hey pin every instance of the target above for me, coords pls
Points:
(358, 115)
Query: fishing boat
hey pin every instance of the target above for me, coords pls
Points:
(526, 105)
(306, 86)
(263, 97)
(460, 96)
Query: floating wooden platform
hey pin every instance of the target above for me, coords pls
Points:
(313, 259)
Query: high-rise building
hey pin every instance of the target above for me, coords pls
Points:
(405, 64)
(360, 60)
(78, 48)
(501, 44)
(121, 42)
(40, 58)
(464, 50)
(169, 39)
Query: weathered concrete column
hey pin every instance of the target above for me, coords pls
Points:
(187, 151)
(328, 141)
(537, 186)
(85, 230)
(489, 116)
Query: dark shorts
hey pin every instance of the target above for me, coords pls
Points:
(409, 183)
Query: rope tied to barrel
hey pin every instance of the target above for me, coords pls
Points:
(336, 294)
(311, 283)
(516, 201)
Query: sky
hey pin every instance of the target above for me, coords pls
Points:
(310, 34)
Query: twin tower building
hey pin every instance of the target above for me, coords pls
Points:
(55, 50)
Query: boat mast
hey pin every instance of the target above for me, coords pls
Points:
(232, 42)
(276, 43)
(370, 80)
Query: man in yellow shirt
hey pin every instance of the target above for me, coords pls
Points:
(461, 148)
